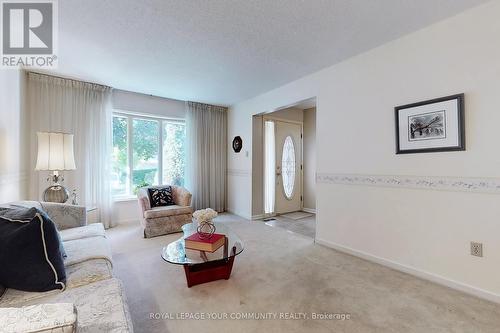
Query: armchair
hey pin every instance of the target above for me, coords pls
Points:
(164, 220)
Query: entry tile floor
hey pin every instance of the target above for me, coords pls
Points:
(305, 226)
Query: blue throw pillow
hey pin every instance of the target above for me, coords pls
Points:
(30, 251)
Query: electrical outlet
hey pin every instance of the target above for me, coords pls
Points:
(476, 249)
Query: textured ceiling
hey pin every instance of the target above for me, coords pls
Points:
(225, 51)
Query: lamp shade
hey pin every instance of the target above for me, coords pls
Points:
(55, 152)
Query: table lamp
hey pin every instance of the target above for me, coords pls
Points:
(55, 153)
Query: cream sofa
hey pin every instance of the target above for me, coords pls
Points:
(93, 300)
(164, 220)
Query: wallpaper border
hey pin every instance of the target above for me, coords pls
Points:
(459, 184)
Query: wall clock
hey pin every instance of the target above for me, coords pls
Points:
(237, 144)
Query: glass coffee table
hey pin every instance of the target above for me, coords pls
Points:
(201, 266)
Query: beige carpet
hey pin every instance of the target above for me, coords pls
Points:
(283, 272)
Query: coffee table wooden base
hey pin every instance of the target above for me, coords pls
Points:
(204, 266)
(209, 271)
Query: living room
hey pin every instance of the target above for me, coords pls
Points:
(152, 129)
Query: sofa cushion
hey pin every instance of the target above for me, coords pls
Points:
(30, 253)
(88, 272)
(167, 211)
(80, 250)
(91, 230)
(77, 275)
(101, 306)
(39, 318)
(160, 196)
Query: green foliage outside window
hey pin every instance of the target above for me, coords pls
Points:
(174, 152)
(145, 146)
(145, 141)
(120, 155)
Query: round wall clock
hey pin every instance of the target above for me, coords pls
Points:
(237, 144)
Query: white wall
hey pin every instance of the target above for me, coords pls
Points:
(293, 114)
(426, 232)
(12, 159)
(127, 211)
(309, 157)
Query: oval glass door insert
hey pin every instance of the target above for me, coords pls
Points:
(288, 167)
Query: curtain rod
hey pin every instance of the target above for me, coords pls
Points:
(207, 104)
(68, 78)
(103, 85)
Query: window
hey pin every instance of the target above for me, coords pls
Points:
(288, 167)
(119, 177)
(270, 167)
(146, 151)
(174, 152)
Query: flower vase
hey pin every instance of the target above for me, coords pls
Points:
(206, 229)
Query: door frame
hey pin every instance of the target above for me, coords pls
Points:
(301, 123)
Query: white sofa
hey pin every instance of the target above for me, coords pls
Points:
(96, 297)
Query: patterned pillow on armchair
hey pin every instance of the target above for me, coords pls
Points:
(161, 196)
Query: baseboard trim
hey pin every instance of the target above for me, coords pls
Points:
(245, 216)
(309, 210)
(468, 289)
(258, 217)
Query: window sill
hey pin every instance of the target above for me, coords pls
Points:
(125, 198)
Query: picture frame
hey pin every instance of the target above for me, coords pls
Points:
(436, 125)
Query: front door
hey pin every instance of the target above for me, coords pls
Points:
(288, 167)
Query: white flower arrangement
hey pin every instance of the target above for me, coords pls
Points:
(203, 215)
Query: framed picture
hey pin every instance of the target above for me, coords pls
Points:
(431, 126)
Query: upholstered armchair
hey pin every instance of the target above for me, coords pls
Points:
(164, 220)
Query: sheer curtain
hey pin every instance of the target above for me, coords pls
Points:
(83, 109)
(269, 167)
(206, 127)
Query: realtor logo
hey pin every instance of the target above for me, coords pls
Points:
(28, 33)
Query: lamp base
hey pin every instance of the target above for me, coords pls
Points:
(56, 193)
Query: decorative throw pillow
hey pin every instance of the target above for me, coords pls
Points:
(161, 196)
(30, 251)
(27, 206)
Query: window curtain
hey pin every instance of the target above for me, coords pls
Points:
(269, 167)
(206, 133)
(83, 109)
